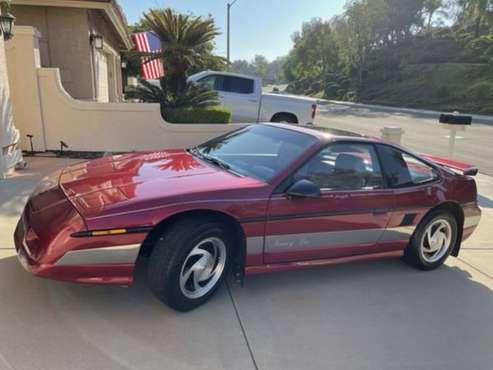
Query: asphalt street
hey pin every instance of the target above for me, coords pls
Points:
(422, 133)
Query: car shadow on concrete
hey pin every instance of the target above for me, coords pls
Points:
(379, 315)
(46, 324)
(485, 202)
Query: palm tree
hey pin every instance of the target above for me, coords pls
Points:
(185, 40)
(193, 96)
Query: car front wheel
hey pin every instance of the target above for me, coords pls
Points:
(189, 262)
(433, 241)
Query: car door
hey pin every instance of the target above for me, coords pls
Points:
(349, 217)
(415, 192)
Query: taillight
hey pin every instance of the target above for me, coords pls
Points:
(314, 111)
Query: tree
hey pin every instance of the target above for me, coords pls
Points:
(270, 72)
(208, 59)
(430, 7)
(187, 47)
(193, 96)
(475, 13)
(360, 35)
(186, 43)
(314, 56)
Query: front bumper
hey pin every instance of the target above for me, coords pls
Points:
(90, 271)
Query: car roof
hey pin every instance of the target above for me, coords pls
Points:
(324, 133)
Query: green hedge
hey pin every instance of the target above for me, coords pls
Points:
(199, 115)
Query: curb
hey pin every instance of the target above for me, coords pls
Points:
(477, 118)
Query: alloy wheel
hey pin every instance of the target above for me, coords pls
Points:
(436, 240)
(203, 267)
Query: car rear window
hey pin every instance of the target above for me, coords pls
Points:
(403, 169)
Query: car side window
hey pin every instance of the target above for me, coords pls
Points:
(238, 85)
(344, 166)
(403, 169)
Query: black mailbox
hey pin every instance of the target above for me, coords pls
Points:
(455, 119)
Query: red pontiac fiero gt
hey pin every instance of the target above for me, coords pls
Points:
(268, 197)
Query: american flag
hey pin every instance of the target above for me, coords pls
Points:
(150, 43)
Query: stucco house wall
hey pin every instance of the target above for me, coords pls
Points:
(65, 44)
(23, 59)
(100, 24)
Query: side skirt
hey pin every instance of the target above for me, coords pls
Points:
(289, 266)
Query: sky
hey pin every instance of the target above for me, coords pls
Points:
(257, 26)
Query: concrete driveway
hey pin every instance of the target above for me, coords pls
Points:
(380, 315)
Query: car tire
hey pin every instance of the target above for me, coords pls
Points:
(433, 241)
(189, 262)
(284, 118)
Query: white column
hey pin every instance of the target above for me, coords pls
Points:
(10, 155)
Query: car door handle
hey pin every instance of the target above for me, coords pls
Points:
(252, 100)
(380, 212)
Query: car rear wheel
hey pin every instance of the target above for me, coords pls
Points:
(189, 262)
(433, 241)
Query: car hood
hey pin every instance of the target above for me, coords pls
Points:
(127, 182)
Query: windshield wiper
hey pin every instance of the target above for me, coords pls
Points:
(215, 161)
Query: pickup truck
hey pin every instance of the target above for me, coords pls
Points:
(243, 95)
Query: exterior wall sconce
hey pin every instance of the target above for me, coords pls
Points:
(7, 21)
(97, 41)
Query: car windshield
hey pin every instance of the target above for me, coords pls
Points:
(258, 151)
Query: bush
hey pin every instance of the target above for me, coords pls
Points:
(481, 91)
(199, 115)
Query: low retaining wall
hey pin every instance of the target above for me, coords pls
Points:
(115, 127)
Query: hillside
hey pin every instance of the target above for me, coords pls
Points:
(432, 54)
(431, 74)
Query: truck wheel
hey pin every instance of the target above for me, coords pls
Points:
(433, 241)
(189, 263)
(284, 118)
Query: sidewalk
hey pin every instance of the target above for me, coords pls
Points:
(380, 315)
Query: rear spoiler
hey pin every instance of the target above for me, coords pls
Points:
(465, 169)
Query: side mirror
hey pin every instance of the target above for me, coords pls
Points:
(304, 189)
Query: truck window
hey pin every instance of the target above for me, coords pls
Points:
(238, 85)
(213, 82)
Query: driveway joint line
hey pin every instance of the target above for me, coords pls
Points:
(237, 313)
(475, 268)
(5, 362)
